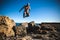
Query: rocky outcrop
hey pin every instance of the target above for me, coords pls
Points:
(6, 25)
(47, 32)
(43, 32)
(27, 31)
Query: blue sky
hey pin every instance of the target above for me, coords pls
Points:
(41, 10)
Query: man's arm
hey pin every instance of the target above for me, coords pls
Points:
(21, 8)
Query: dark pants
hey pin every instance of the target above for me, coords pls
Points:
(25, 15)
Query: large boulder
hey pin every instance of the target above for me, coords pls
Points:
(25, 24)
(31, 24)
(6, 25)
(21, 30)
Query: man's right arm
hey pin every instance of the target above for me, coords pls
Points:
(21, 9)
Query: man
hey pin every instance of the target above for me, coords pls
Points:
(26, 10)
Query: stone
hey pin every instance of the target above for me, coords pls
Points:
(31, 24)
(6, 25)
(24, 38)
(21, 30)
(27, 38)
(25, 24)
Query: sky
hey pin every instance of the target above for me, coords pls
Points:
(41, 10)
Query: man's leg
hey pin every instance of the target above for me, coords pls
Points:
(28, 14)
(24, 14)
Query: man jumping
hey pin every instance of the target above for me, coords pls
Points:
(26, 10)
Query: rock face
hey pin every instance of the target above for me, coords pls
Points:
(6, 25)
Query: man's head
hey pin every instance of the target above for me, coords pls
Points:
(28, 4)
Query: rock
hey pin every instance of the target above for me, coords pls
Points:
(21, 30)
(48, 27)
(25, 24)
(7, 21)
(7, 31)
(6, 25)
(27, 38)
(24, 38)
(11, 33)
(44, 32)
(31, 24)
(2, 35)
(32, 28)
